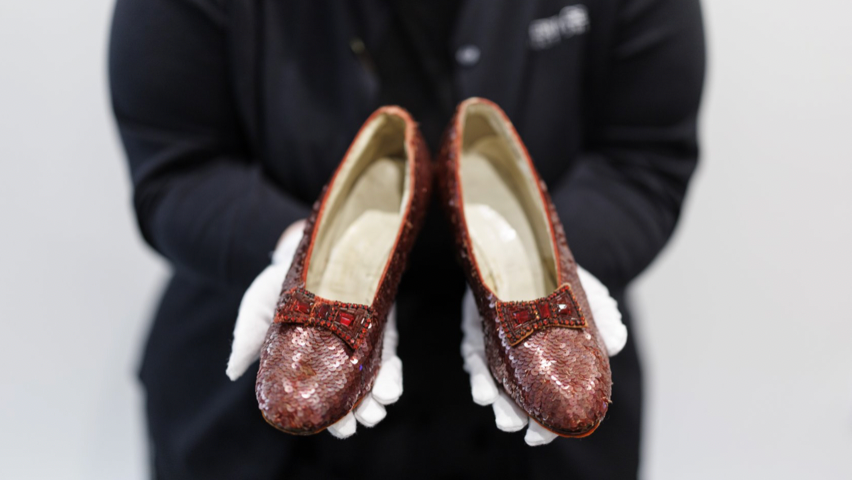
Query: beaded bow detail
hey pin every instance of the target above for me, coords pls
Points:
(519, 320)
(349, 321)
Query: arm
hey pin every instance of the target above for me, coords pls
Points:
(201, 200)
(621, 202)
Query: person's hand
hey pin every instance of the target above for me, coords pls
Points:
(507, 414)
(256, 313)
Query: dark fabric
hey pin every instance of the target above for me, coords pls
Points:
(414, 64)
(234, 114)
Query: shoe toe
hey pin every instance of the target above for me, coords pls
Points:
(562, 380)
(307, 380)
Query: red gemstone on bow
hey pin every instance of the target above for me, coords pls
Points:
(346, 318)
(565, 309)
(522, 316)
(544, 310)
(301, 307)
(322, 311)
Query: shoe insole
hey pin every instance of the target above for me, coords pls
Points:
(504, 240)
(500, 254)
(356, 263)
(363, 234)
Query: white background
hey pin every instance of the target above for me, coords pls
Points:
(745, 318)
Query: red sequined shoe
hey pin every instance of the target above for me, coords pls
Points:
(323, 351)
(540, 338)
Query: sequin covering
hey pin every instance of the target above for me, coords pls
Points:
(560, 376)
(318, 359)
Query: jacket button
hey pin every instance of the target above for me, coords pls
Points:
(467, 55)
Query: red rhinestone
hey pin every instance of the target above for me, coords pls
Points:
(544, 310)
(564, 309)
(322, 311)
(346, 318)
(522, 316)
(301, 307)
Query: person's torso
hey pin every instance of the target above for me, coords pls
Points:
(304, 82)
(303, 85)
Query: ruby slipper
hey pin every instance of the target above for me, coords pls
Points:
(323, 351)
(541, 341)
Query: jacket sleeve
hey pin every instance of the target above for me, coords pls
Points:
(200, 198)
(620, 203)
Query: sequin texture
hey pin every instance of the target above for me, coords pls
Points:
(557, 372)
(318, 358)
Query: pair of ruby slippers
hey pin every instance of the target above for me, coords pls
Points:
(323, 351)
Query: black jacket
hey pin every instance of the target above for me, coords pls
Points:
(234, 114)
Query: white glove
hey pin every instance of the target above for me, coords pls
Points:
(256, 313)
(507, 414)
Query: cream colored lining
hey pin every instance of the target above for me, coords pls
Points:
(363, 215)
(356, 263)
(511, 237)
(503, 261)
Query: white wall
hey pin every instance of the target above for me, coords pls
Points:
(77, 285)
(745, 316)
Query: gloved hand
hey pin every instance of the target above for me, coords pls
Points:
(507, 414)
(256, 313)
